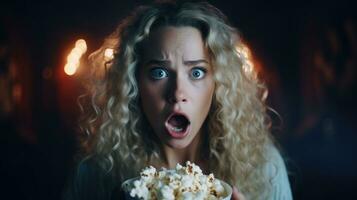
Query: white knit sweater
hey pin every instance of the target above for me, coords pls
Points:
(277, 173)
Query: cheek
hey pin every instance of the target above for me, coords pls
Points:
(147, 95)
(206, 93)
(151, 96)
(146, 98)
(207, 98)
(204, 97)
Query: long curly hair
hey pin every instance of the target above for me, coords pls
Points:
(116, 131)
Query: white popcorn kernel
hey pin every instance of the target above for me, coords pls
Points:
(139, 190)
(211, 197)
(187, 181)
(196, 170)
(218, 186)
(183, 183)
(166, 193)
(187, 196)
(178, 167)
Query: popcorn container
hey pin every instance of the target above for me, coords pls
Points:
(128, 184)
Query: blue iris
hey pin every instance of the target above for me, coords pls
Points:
(197, 73)
(158, 73)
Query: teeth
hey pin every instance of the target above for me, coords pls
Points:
(176, 129)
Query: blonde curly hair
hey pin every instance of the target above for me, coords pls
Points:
(118, 135)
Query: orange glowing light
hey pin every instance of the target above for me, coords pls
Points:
(77, 51)
(70, 69)
(73, 59)
(245, 54)
(108, 54)
(82, 45)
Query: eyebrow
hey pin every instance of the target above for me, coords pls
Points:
(194, 62)
(166, 62)
(157, 62)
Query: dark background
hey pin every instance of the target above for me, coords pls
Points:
(304, 51)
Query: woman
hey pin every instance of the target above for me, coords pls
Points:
(175, 91)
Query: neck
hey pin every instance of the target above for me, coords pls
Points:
(191, 153)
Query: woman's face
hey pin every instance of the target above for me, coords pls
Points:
(176, 84)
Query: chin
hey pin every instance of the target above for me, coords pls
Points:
(178, 144)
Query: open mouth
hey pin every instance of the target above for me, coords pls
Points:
(177, 125)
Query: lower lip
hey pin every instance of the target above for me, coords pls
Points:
(178, 135)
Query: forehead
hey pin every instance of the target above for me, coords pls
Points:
(169, 41)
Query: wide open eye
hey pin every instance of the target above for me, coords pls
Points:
(198, 73)
(158, 73)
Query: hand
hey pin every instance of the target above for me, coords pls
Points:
(236, 195)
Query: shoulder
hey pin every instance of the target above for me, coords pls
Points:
(275, 171)
(88, 181)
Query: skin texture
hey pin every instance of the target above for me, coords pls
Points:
(236, 195)
(176, 76)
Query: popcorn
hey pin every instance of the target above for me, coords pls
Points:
(183, 183)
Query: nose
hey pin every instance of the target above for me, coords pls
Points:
(178, 97)
(177, 90)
